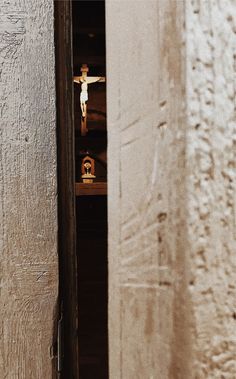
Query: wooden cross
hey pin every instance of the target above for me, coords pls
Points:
(84, 80)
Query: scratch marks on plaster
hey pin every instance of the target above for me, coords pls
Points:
(41, 275)
(12, 29)
(143, 268)
(130, 142)
(132, 123)
(155, 166)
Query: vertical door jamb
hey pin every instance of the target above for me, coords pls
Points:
(66, 190)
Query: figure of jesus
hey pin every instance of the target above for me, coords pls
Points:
(84, 98)
(85, 80)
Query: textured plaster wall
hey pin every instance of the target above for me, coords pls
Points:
(211, 183)
(172, 206)
(28, 217)
(149, 304)
(171, 69)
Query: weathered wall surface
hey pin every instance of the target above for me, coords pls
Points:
(211, 183)
(28, 217)
(149, 300)
(172, 179)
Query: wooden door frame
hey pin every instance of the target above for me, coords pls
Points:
(68, 299)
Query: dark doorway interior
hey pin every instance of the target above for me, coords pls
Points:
(91, 187)
(92, 253)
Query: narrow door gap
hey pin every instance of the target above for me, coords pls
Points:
(91, 185)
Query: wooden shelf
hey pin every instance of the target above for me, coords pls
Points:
(90, 189)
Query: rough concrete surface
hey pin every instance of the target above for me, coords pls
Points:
(211, 183)
(28, 216)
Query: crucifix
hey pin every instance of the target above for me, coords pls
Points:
(84, 80)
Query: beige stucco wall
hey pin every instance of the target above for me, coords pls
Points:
(149, 306)
(211, 183)
(171, 127)
(28, 217)
(171, 71)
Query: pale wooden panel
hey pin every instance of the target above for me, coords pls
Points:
(148, 299)
(28, 200)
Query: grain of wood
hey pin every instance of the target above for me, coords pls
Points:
(28, 193)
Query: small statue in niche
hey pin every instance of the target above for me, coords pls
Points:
(88, 170)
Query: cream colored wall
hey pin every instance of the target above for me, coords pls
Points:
(149, 305)
(28, 194)
(171, 151)
(171, 174)
(211, 183)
